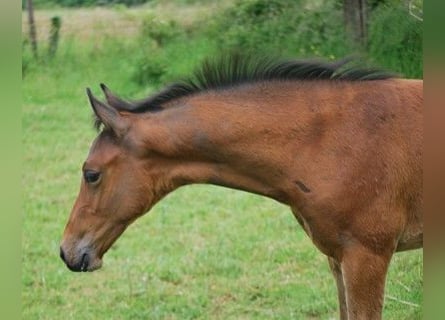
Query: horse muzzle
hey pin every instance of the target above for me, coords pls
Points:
(80, 261)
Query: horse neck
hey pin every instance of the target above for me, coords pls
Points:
(234, 138)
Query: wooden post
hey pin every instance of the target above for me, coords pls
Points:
(355, 15)
(32, 28)
(54, 35)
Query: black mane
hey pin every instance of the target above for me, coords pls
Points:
(236, 69)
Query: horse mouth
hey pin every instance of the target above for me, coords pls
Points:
(89, 263)
(82, 266)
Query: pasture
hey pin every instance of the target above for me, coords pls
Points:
(204, 252)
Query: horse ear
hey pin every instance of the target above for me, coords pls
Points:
(109, 116)
(114, 101)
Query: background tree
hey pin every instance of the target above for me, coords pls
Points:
(356, 16)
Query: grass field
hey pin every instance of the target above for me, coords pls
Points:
(204, 252)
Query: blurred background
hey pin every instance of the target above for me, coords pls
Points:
(204, 252)
(162, 40)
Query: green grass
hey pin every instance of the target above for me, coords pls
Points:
(204, 252)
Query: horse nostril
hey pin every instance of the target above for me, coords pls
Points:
(84, 262)
(62, 254)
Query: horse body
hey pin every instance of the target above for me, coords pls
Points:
(346, 156)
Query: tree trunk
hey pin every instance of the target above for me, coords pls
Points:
(32, 28)
(355, 15)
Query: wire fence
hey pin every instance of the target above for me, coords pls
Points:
(90, 24)
(98, 22)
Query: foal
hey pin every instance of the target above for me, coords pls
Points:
(342, 147)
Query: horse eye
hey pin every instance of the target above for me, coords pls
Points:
(91, 176)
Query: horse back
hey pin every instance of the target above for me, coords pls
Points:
(365, 172)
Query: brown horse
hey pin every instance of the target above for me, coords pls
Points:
(342, 146)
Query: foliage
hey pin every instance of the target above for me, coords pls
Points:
(152, 64)
(285, 27)
(297, 28)
(150, 70)
(395, 40)
(158, 30)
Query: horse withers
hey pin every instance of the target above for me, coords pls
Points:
(340, 145)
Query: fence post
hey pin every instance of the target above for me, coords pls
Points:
(32, 28)
(56, 22)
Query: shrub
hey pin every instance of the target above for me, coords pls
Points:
(294, 27)
(395, 40)
(152, 64)
(158, 30)
(150, 69)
